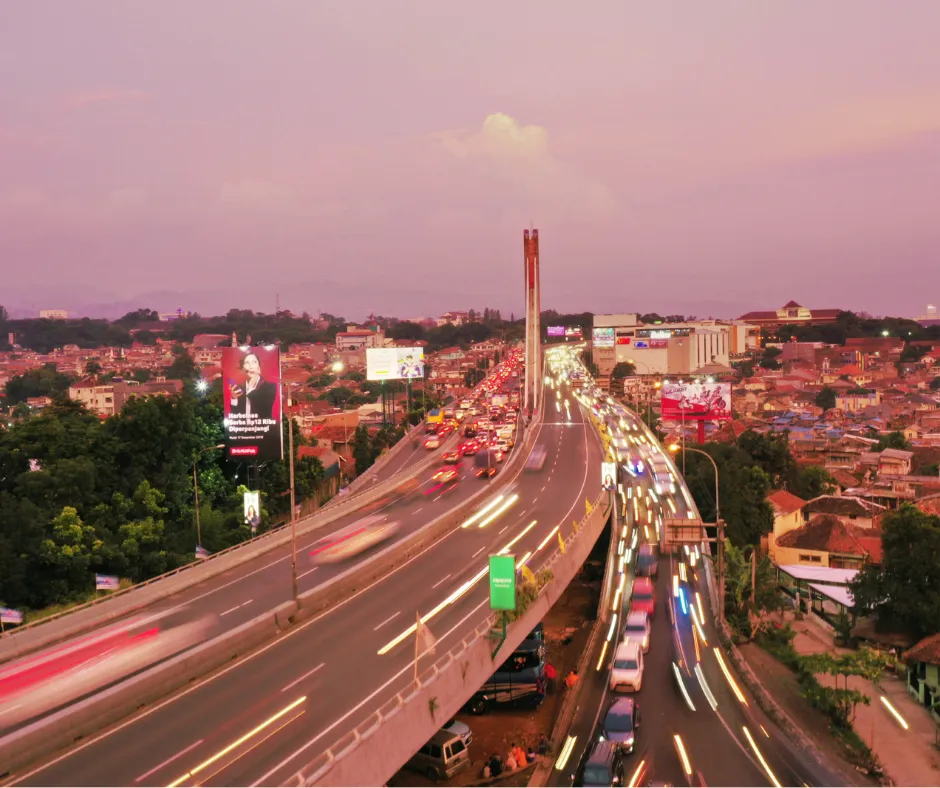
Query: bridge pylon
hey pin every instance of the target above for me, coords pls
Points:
(533, 332)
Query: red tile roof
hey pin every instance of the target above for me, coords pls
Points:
(827, 533)
(784, 502)
(927, 651)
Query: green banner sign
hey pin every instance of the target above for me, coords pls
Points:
(502, 582)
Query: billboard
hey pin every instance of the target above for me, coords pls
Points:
(574, 332)
(603, 337)
(252, 507)
(556, 331)
(609, 476)
(502, 582)
(696, 401)
(394, 363)
(251, 403)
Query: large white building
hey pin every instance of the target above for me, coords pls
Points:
(704, 346)
(53, 314)
(359, 339)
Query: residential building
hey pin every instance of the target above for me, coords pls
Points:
(826, 540)
(53, 314)
(850, 509)
(359, 339)
(923, 673)
(107, 399)
(790, 314)
(788, 515)
(851, 402)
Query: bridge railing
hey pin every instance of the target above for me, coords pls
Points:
(347, 743)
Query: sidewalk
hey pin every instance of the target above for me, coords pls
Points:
(909, 757)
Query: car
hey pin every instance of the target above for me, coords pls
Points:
(452, 457)
(644, 596)
(432, 443)
(353, 539)
(647, 564)
(461, 729)
(638, 629)
(469, 448)
(602, 765)
(445, 475)
(621, 723)
(487, 473)
(536, 459)
(626, 670)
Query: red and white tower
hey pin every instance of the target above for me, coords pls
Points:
(533, 341)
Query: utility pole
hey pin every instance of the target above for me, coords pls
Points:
(293, 507)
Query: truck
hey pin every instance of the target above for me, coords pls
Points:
(499, 400)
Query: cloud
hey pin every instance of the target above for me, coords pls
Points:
(516, 164)
(91, 98)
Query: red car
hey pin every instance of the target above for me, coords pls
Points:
(644, 596)
(469, 448)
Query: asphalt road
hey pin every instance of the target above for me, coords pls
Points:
(333, 662)
(728, 740)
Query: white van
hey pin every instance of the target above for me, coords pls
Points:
(626, 672)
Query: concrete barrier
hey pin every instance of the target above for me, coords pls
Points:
(417, 711)
(60, 730)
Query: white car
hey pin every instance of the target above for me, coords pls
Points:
(626, 672)
(638, 629)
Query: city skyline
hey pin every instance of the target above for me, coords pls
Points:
(710, 163)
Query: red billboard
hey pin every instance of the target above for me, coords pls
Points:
(694, 401)
(251, 381)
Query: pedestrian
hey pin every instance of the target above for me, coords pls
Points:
(496, 765)
(519, 754)
(571, 679)
(485, 774)
(549, 674)
(543, 744)
(510, 763)
(530, 754)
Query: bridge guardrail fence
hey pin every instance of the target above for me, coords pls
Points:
(350, 740)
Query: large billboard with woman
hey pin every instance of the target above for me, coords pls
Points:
(251, 381)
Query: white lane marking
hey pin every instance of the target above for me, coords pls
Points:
(306, 675)
(168, 761)
(288, 634)
(440, 581)
(309, 571)
(418, 509)
(265, 778)
(501, 532)
(479, 551)
(386, 621)
(232, 610)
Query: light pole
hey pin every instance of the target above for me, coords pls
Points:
(293, 515)
(196, 488)
(718, 522)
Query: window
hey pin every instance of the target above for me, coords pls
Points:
(810, 559)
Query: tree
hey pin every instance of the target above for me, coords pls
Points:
(182, 368)
(142, 538)
(338, 396)
(70, 553)
(622, 370)
(362, 450)
(813, 481)
(893, 440)
(45, 382)
(826, 398)
(904, 591)
(92, 367)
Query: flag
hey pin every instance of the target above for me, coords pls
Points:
(107, 583)
(528, 574)
(201, 552)
(587, 506)
(426, 639)
(561, 543)
(575, 526)
(10, 616)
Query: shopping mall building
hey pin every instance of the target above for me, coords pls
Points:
(703, 347)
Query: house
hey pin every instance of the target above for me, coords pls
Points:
(790, 313)
(923, 673)
(108, 399)
(855, 401)
(895, 462)
(827, 540)
(788, 512)
(851, 510)
(359, 339)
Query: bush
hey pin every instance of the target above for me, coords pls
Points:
(527, 593)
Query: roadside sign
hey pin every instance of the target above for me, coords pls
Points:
(502, 582)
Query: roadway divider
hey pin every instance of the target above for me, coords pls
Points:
(103, 610)
(60, 730)
(418, 709)
(85, 718)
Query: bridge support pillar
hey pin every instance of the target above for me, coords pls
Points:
(533, 339)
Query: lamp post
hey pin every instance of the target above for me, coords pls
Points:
(196, 488)
(718, 522)
(293, 505)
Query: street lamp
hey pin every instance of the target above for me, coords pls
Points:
(293, 515)
(196, 488)
(718, 522)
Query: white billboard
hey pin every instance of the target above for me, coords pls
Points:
(394, 363)
(609, 476)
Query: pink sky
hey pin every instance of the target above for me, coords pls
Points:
(357, 156)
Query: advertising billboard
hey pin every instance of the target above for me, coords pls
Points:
(252, 507)
(574, 332)
(603, 337)
(251, 403)
(696, 401)
(556, 331)
(502, 582)
(394, 363)
(609, 476)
